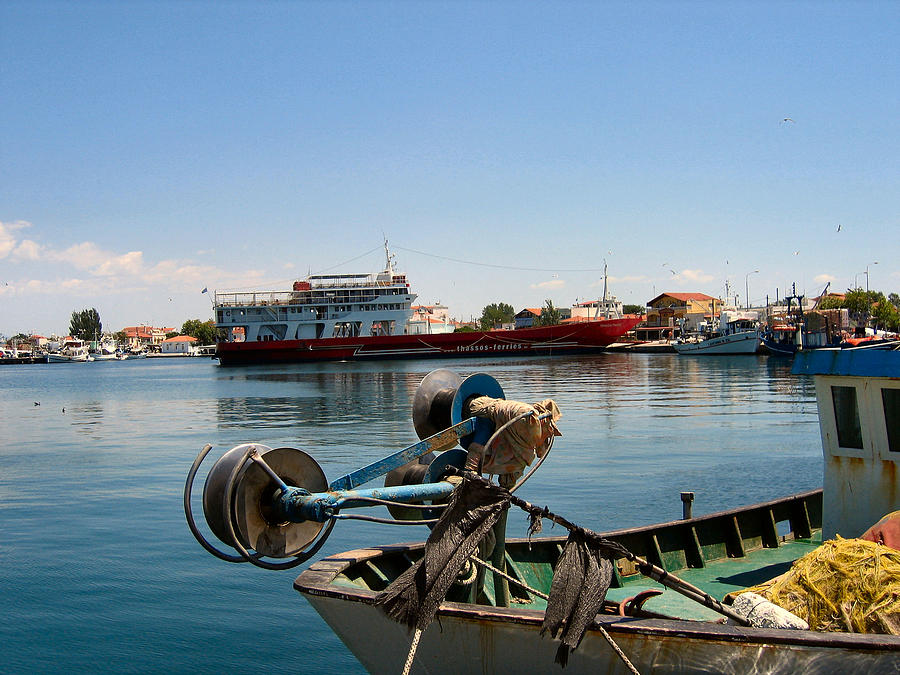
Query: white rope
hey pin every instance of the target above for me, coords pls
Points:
(412, 651)
(539, 594)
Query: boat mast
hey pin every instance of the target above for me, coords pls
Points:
(605, 306)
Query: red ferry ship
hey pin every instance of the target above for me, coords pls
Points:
(352, 317)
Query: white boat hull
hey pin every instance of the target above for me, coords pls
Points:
(746, 342)
(63, 358)
(465, 640)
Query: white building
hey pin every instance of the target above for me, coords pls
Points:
(180, 344)
(429, 319)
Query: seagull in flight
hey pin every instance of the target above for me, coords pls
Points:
(786, 120)
(839, 228)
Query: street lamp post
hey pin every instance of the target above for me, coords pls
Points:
(867, 275)
(747, 287)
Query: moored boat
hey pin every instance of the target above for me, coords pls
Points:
(73, 351)
(488, 624)
(348, 317)
(734, 333)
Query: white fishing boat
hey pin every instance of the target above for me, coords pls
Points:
(73, 351)
(733, 333)
(105, 351)
(492, 612)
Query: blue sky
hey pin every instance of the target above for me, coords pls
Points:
(505, 149)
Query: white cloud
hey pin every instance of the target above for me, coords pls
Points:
(7, 238)
(130, 263)
(824, 278)
(27, 250)
(695, 275)
(552, 284)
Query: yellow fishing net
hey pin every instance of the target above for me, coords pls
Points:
(845, 585)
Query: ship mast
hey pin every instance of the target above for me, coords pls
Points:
(388, 265)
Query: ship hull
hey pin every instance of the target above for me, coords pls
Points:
(736, 343)
(576, 338)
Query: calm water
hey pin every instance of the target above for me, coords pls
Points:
(99, 570)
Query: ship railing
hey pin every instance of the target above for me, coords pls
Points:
(227, 299)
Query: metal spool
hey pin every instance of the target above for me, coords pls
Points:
(255, 522)
(408, 474)
(442, 398)
(433, 401)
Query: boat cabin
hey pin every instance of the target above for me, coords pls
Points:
(858, 396)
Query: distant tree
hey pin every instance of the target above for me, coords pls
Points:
(831, 302)
(204, 331)
(634, 309)
(886, 316)
(121, 337)
(464, 329)
(171, 334)
(496, 314)
(857, 303)
(549, 314)
(20, 337)
(85, 325)
(894, 299)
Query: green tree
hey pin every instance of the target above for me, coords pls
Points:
(634, 309)
(121, 337)
(886, 316)
(831, 302)
(549, 314)
(858, 304)
(894, 299)
(85, 325)
(496, 314)
(204, 331)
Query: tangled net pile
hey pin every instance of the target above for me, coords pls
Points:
(846, 585)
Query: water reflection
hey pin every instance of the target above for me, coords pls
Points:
(86, 418)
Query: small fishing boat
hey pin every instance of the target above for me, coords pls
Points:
(733, 333)
(665, 608)
(73, 351)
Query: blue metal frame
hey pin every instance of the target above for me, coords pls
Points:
(440, 441)
(298, 505)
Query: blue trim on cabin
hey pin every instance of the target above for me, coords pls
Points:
(852, 362)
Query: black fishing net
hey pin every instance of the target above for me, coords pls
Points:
(414, 597)
(580, 581)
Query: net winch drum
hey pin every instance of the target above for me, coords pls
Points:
(255, 523)
(442, 398)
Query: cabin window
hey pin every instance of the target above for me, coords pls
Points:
(890, 398)
(846, 416)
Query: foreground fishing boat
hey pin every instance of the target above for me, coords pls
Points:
(346, 317)
(664, 604)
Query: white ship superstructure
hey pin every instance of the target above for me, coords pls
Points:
(320, 306)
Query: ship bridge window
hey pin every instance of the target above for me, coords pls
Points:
(890, 399)
(846, 416)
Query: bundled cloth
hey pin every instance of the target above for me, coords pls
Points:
(414, 597)
(581, 579)
(850, 585)
(521, 442)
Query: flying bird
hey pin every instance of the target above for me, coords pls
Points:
(796, 252)
(839, 228)
(674, 272)
(37, 402)
(786, 120)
